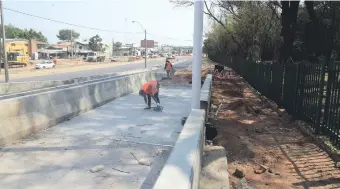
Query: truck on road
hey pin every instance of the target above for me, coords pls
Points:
(95, 57)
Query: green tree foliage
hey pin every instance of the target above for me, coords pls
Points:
(95, 43)
(65, 35)
(15, 32)
(272, 30)
(251, 30)
(117, 45)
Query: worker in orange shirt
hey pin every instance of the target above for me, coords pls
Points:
(150, 90)
(168, 67)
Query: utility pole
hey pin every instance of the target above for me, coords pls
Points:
(4, 43)
(197, 54)
(146, 50)
(71, 45)
(113, 47)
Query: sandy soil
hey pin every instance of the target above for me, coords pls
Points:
(264, 144)
(64, 66)
(184, 75)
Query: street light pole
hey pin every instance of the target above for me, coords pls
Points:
(146, 48)
(4, 43)
(197, 54)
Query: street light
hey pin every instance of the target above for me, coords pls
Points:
(197, 53)
(144, 40)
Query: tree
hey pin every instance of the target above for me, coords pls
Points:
(65, 35)
(95, 43)
(248, 29)
(15, 32)
(117, 45)
(322, 29)
(288, 27)
(32, 34)
(279, 30)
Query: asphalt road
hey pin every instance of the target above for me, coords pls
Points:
(101, 71)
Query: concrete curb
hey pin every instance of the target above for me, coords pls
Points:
(206, 95)
(28, 114)
(183, 167)
(215, 165)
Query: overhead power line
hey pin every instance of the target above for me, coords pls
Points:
(87, 27)
(61, 22)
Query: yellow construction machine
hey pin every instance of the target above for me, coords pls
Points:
(16, 59)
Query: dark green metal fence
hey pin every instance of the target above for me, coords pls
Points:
(310, 111)
(307, 90)
(276, 83)
(331, 121)
(290, 88)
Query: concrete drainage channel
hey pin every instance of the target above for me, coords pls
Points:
(35, 111)
(30, 113)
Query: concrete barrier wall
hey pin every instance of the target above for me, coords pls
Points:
(22, 116)
(206, 95)
(18, 87)
(183, 167)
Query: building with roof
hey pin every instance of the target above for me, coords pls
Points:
(77, 47)
(24, 46)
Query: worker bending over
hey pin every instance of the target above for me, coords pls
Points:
(150, 89)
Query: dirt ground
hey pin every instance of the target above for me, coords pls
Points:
(185, 75)
(264, 145)
(64, 66)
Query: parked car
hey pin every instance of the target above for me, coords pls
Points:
(45, 64)
(114, 59)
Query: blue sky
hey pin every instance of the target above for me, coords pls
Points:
(159, 17)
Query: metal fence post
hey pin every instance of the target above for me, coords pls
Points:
(320, 97)
(301, 88)
(297, 99)
(330, 79)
